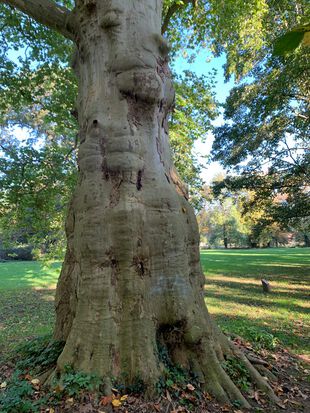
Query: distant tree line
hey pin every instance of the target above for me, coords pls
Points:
(227, 221)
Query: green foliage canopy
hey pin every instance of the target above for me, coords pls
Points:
(265, 140)
(38, 87)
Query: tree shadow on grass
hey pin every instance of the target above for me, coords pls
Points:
(253, 292)
(286, 334)
(24, 314)
(255, 301)
(287, 263)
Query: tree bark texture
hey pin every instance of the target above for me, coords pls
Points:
(132, 273)
(132, 277)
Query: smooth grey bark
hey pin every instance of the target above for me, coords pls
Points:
(132, 276)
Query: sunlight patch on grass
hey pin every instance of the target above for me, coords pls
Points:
(285, 264)
(234, 293)
(25, 274)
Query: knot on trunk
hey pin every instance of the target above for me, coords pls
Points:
(143, 84)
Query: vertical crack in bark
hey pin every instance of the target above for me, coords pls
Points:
(139, 180)
(140, 265)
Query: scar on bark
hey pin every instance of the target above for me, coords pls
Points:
(171, 334)
(171, 345)
(114, 266)
(136, 109)
(139, 264)
(104, 167)
(139, 179)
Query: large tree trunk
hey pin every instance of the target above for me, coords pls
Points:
(132, 276)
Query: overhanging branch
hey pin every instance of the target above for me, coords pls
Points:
(46, 12)
(172, 10)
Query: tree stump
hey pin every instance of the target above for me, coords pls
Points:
(266, 286)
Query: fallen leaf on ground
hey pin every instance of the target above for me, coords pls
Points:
(106, 400)
(190, 387)
(295, 403)
(281, 405)
(116, 403)
(256, 395)
(59, 388)
(302, 395)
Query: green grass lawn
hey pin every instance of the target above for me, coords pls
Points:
(28, 274)
(233, 294)
(26, 300)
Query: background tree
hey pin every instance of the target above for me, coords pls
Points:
(265, 140)
(223, 225)
(221, 222)
(195, 108)
(36, 184)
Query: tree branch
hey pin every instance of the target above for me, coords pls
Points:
(172, 10)
(301, 116)
(46, 12)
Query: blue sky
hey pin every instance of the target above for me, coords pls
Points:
(202, 65)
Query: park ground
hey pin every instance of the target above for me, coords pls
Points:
(275, 325)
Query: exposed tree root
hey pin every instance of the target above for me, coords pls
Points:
(256, 377)
(255, 360)
(265, 372)
(45, 376)
(202, 356)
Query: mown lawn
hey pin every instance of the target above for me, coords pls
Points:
(27, 292)
(233, 294)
